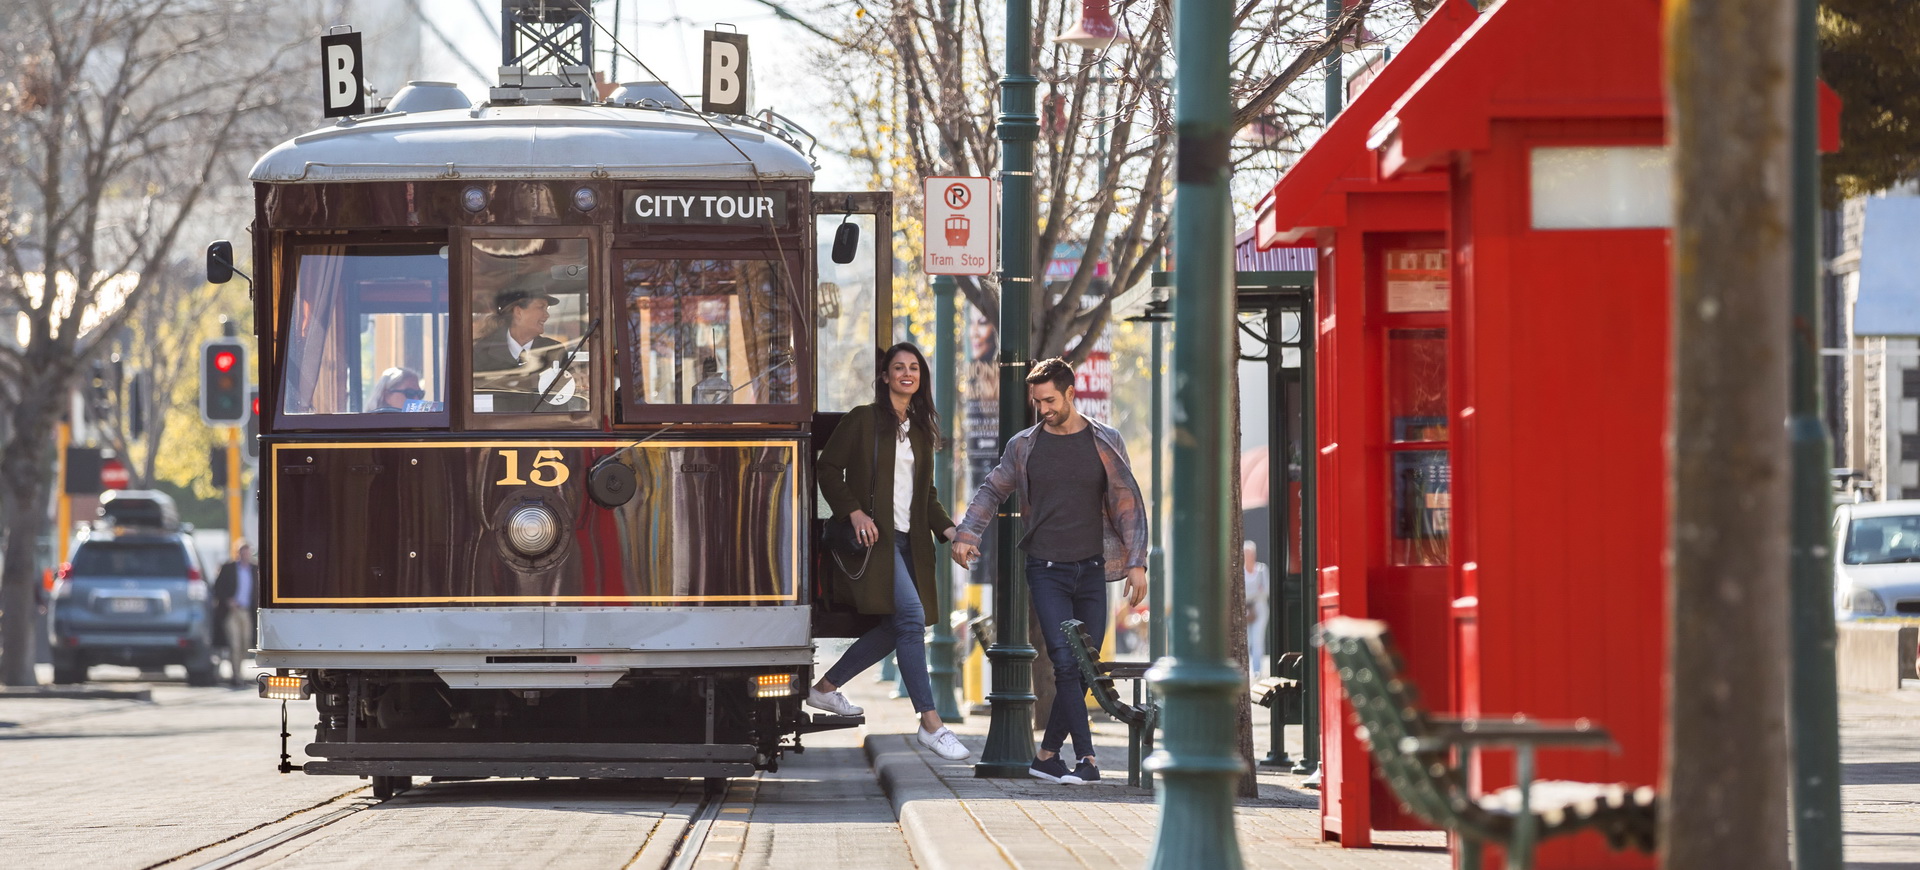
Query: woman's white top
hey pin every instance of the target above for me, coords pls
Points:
(903, 480)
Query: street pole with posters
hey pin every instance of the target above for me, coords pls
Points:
(1009, 748)
(1198, 761)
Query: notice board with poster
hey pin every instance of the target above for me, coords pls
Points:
(1417, 280)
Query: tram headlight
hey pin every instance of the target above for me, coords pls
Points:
(773, 686)
(474, 199)
(532, 529)
(585, 199)
(275, 687)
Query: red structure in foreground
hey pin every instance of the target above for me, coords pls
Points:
(1492, 221)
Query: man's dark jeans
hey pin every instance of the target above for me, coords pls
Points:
(1063, 591)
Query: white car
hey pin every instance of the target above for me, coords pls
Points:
(1876, 569)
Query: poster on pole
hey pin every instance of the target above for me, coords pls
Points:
(958, 238)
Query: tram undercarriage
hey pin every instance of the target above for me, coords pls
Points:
(654, 723)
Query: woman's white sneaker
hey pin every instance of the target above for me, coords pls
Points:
(832, 702)
(943, 742)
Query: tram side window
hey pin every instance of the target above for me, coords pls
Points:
(708, 332)
(368, 331)
(529, 325)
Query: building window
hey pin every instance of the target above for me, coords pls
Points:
(1910, 383)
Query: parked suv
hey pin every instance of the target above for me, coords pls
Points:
(134, 595)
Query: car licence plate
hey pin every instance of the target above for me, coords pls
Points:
(126, 605)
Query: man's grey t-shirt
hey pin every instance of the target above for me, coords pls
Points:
(1067, 485)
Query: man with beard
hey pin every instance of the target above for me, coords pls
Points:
(1086, 525)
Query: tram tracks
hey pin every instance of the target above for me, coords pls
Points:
(690, 834)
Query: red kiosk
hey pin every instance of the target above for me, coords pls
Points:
(1492, 219)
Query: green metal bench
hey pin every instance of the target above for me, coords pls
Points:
(1424, 758)
(1140, 716)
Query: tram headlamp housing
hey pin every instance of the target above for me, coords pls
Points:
(532, 530)
(474, 199)
(586, 199)
(773, 685)
(275, 687)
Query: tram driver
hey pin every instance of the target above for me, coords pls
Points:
(511, 360)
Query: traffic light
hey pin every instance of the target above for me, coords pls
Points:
(250, 436)
(223, 382)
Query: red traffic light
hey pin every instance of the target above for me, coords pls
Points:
(224, 360)
(256, 404)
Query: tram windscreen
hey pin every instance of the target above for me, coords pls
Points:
(367, 332)
(531, 352)
(707, 332)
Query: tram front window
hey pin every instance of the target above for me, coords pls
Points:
(530, 324)
(707, 332)
(366, 333)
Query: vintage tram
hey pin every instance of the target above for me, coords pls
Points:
(542, 381)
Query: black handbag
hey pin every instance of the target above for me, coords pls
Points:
(837, 534)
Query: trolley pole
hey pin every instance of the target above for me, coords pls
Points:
(940, 661)
(1198, 764)
(1815, 709)
(1010, 732)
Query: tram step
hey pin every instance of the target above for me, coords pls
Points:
(829, 722)
(516, 752)
(600, 769)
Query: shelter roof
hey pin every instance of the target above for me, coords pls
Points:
(1545, 59)
(1338, 157)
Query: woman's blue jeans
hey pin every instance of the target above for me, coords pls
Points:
(903, 633)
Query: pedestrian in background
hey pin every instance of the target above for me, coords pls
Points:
(1259, 589)
(877, 471)
(235, 589)
(1086, 525)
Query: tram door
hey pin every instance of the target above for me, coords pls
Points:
(853, 320)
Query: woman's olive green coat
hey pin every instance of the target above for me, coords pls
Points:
(848, 470)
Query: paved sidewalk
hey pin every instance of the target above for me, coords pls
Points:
(953, 820)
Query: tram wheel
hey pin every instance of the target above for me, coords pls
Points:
(716, 786)
(385, 787)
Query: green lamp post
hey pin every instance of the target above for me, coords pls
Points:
(1197, 763)
(1009, 747)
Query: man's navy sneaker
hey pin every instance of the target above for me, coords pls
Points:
(1051, 770)
(1085, 774)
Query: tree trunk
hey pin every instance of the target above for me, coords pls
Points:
(26, 481)
(1724, 801)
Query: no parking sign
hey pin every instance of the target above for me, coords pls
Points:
(958, 238)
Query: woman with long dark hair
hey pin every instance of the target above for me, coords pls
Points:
(877, 471)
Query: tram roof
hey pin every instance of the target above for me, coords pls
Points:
(533, 141)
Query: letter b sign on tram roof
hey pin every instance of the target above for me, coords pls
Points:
(724, 83)
(959, 227)
(342, 76)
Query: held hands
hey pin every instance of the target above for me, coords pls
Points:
(964, 554)
(1136, 586)
(863, 528)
